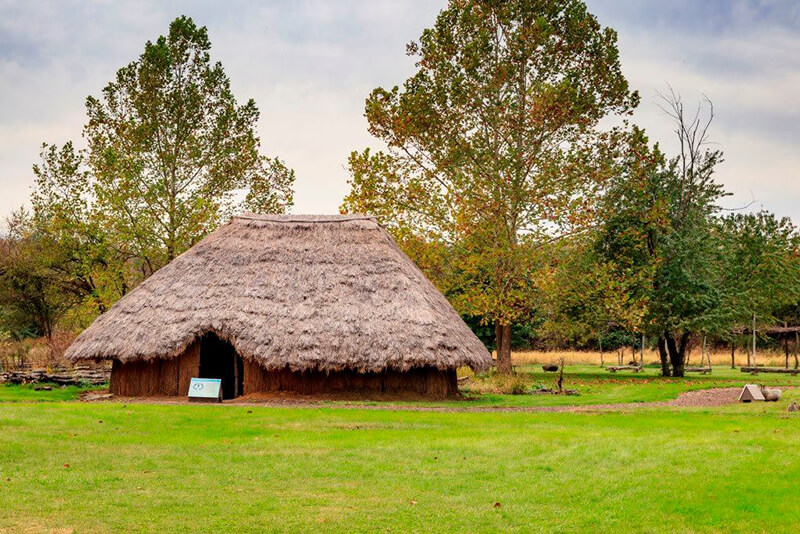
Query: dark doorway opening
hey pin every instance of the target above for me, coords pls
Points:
(218, 359)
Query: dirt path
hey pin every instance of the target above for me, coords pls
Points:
(700, 398)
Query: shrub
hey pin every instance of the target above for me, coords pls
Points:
(518, 386)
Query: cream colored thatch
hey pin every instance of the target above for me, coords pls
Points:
(307, 292)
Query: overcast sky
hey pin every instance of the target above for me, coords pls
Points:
(310, 64)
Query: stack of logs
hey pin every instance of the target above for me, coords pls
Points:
(63, 377)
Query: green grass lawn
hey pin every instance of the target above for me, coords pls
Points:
(100, 467)
(598, 386)
(33, 393)
(595, 385)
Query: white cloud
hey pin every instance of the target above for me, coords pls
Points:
(308, 65)
(751, 75)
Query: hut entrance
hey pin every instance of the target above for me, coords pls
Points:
(218, 359)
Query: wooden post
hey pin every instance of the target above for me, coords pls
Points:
(786, 349)
(703, 353)
(733, 353)
(754, 340)
(796, 343)
(236, 392)
(642, 353)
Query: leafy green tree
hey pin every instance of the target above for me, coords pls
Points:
(33, 291)
(170, 154)
(587, 298)
(660, 226)
(63, 212)
(493, 146)
(761, 274)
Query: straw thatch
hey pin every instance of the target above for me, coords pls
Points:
(304, 293)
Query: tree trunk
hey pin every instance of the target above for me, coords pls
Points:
(796, 344)
(498, 341)
(733, 354)
(503, 341)
(561, 375)
(786, 347)
(641, 362)
(677, 353)
(662, 353)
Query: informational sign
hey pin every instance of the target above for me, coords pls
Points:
(205, 390)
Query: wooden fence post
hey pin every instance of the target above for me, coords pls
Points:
(754, 340)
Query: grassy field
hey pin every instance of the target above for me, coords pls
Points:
(112, 467)
(577, 357)
(33, 393)
(594, 385)
(598, 386)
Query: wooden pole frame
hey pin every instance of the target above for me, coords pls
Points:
(642, 353)
(754, 340)
(796, 343)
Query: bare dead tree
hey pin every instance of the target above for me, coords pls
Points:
(696, 161)
(561, 363)
(693, 201)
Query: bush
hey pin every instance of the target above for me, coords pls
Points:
(518, 386)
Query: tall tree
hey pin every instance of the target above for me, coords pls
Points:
(170, 154)
(493, 146)
(661, 223)
(602, 281)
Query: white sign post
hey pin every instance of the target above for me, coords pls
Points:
(205, 390)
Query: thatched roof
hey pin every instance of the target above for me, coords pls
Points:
(307, 292)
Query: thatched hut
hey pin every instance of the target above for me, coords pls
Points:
(306, 304)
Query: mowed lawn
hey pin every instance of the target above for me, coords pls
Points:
(111, 467)
(598, 386)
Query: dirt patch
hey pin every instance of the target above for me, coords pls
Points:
(697, 399)
(707, 397)
(702, 398)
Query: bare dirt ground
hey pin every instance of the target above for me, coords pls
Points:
(697, 399)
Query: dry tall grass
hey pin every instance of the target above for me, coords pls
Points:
(40, 353)
(769, 359)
